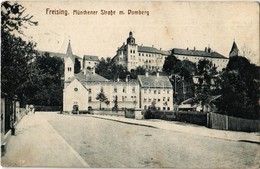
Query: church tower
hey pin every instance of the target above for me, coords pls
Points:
(131, 52)
(130, 40)
(234, 50)
(69, 61)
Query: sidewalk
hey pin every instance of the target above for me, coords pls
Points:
(187, 128)
(37, 144)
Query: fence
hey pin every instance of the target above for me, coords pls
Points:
(224, 122)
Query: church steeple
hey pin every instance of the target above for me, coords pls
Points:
(69, 50)
(234, 50)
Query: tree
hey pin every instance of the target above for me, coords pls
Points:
(16, 54)
(13, 18)
(110, 70)
(135, 72)
(183, 72)
(77, 66)
(44, 85)
(107, 102)
(115, 108)
(206, 72)
(169, 64)
(240, 89)
(150, 112)
(101, 97)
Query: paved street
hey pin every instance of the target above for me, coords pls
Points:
(50, 139)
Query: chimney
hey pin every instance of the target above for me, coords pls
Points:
(85, 71)
(160, 48)
(123, 43)
(209, 49)
(187, 48)
(146, 73)
(152, 46)
(194, 48)
(206, 49)
(157, 74)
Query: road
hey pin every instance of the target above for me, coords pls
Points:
(105, 143)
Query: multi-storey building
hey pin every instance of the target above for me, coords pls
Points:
(156, 88)
(90, 61)
(131, 55)
(81, 90)
(194, 56)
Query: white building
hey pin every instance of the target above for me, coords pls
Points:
(90, 61)
(194, 56)
(82, 89)
(157, 88)
(131, 55)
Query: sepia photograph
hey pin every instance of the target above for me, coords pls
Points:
(130, 84)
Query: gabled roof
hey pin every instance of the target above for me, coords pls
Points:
(152, 50)
(200, 53)
(123, 47)
(90, 58)
(154, 81)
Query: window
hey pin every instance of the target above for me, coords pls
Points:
(163, 98)
(168, 99)
(154, 91)
(115, 90)
(145, 99)
(168, 108)
(133, 89)
(76, 89)
(124, 90)
(89, 99)
(168, 91)
(123, 98)
(145, 90)
(159, 91)
(164, 108)
(159, 100)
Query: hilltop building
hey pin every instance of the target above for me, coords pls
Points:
(132, 55)
(194, 56)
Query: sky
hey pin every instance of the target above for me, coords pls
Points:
(169, 25)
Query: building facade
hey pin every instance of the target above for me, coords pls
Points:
(193, 55)
(90, 61)
(155, 88)
(132, 55)
(81, 90)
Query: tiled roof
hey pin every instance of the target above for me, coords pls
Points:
(123, 47)
(186, 52)
(88, 77)
(90, 58)
(154, 81)
(152, 50)
(61, 55)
